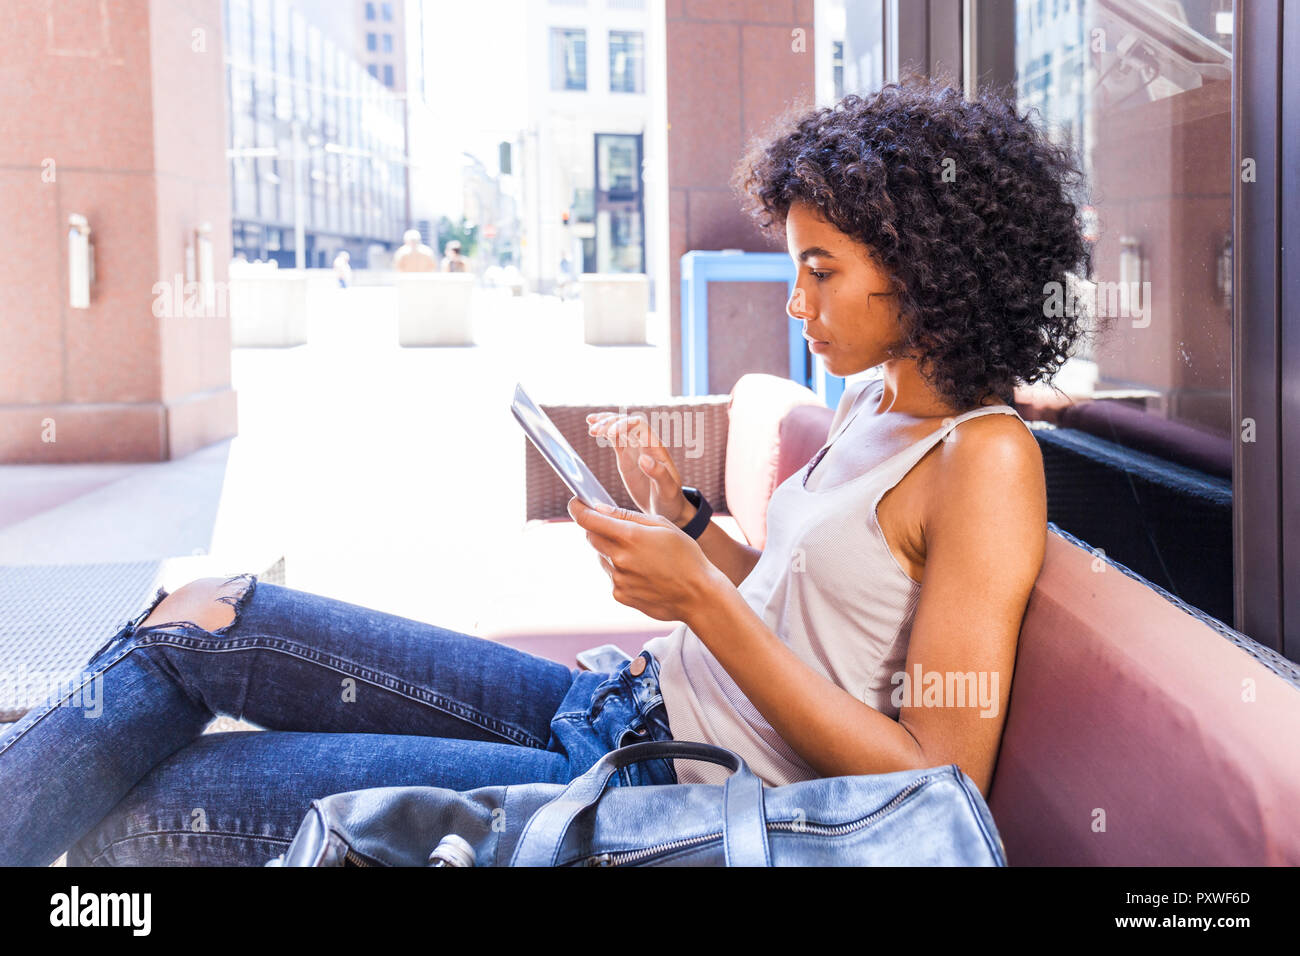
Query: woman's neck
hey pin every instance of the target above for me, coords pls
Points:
(906, 392)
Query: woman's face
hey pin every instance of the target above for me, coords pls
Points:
(851, 330)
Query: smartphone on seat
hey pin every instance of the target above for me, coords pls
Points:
(607, 658)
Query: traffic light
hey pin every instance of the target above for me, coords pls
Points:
(564, 217)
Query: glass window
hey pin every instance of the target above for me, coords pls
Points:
(620, 245)
(618, 240)
(1145, 100)
(388, 74)
(386, 11)
(370, 42)
(1131, 89)
(862, 53)
(617, 169)
(370, 11)
(583, 205)
(388, 43)
(626, 62)
(568, 59)
(837, 68)
(373, 70)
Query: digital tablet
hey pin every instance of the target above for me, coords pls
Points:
(573, 471)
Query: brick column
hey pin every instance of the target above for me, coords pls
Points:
(114, 111)
(731, 68)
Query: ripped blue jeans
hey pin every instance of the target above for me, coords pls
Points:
(349, 698)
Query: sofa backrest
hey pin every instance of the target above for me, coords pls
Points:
(775, 425)
(1139, 730)
(1143, 732)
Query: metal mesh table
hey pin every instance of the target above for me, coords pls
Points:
(53, 617)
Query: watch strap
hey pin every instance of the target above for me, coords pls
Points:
(703, 512)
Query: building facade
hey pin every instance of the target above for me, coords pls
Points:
(381, 36)
(316, 143)
(585, 146)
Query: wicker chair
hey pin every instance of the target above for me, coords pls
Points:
(701, 420)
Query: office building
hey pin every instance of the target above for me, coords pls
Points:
(585, 145)
(316, 143)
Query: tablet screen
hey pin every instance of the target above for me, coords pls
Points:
(546, 437)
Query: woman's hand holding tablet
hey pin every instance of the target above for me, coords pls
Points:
(653, 565)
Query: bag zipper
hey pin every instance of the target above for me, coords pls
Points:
(629, 856)
(352, 858)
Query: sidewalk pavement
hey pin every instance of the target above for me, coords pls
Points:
(387, 477)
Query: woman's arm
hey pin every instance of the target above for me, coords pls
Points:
(731, 557)
(984, 548)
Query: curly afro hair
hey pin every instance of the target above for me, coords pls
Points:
(967, 206)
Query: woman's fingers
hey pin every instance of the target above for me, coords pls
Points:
(597, 423)
(601, 545)
(630, 431)
(655, 463)
(615, 424)
(602, 424)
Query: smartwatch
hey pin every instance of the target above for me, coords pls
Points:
(703, 512)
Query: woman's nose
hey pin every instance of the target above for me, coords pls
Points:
(797, 306)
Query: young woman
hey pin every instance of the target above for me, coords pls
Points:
(925, 229)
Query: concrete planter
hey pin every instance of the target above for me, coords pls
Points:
(614, 307)
(268, 308)
(435, 309)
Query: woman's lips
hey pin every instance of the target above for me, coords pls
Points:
(816, 346)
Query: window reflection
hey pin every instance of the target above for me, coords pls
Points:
(1142, 90)
(1140, 465)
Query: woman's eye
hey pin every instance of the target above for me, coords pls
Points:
(819, 276)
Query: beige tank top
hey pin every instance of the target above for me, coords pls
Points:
(828, 586)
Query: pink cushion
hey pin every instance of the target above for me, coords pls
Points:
(1124, 703)
(765, 439)
(804, 430)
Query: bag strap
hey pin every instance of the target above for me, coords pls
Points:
(744, 825)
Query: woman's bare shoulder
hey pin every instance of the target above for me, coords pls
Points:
(992, 461)
(994, 442)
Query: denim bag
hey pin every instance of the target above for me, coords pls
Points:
(933, 817)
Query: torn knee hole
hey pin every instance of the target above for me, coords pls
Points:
(208, 603)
